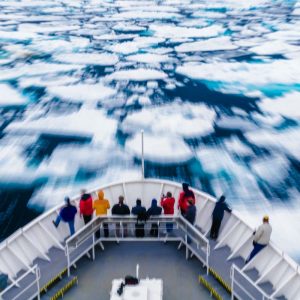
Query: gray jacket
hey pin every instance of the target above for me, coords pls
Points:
(263, 234)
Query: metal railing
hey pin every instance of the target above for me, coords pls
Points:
(20, 295)
(123, 229)
(250, 290)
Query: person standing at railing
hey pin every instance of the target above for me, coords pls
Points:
(67, 214)
(86, 207)
(154, 210)
(184, 197)
(167, 204)
(261, 237)
(217, 216)
(120, 209)
(190, 216)
(101, 206)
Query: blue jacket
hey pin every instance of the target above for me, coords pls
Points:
(138, 209)
(68, 213)
(191, 214)
(154, 210)
(218, 212)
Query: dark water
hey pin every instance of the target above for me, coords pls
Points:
(214, 85)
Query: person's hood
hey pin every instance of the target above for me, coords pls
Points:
(154, 203)
(185, 187)
(100, 195)
(138, 202)
(222, 199)
(85, 197)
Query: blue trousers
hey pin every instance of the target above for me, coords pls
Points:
(256, 248)
(70, 223)
(169, 227)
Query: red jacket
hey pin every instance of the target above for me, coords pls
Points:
(168, 205)
(183, 201)
(86, 205)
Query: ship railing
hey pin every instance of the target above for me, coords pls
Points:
(122, 229)
(34, 284)
(243, 287)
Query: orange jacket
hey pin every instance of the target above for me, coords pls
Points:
(101, 205)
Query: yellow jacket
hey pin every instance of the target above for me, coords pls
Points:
(101, 205)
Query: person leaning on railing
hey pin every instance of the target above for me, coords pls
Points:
(86, 206)
(261, 237)
(101, 206)
(154, 210)
(167, 204)
(184, 197)
(120, 209)
(67, 214)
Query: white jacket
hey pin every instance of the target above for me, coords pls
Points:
(263, 234)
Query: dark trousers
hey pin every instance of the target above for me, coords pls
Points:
(87, 219)
(154, 230)
(169, 227)
(106, 231)
(256, 248)
(215, 226)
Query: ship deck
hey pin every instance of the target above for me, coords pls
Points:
(156, 260)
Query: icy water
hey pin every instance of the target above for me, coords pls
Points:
(215, 85)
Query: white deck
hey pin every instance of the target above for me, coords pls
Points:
(272, 272)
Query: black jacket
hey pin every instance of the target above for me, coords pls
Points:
(218, 212)
(154, 210)
(191, 214)
(120, 209)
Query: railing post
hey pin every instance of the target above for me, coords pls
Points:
(207, 258)
(232, 279)
(93, 251)
(68, 260)
(37, 274)
(143, 163)
(186, 243)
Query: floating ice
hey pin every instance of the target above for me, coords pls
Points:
(287, 105)
(148, 58)
(245, 73)
(145, 15)
(236, 123)
(274, 47)
(9, 96)
(187, 120)
(214, 44)
(101, 59)
(137, 75)
(86, 123)
(236, 146)
(169, 31)
(159, 148)
(82, 92)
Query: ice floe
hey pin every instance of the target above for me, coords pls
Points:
(81, 92)
(10, 96)
(86, 122)
(137, 75)
(100, 59)
(148, 58)
(184, 120)
(213, 44)
(159, 148)
(169, 31)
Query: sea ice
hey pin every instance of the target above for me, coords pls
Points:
(10, 96)
(137, 75)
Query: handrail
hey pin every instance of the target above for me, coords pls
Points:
(235, 269)
(35, 269)
(95, 225)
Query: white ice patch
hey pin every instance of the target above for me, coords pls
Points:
(144, 15)
(114, 37)
(159, 148)
(245, 73)
(287, 105)
(235, 123)
(46, 81)
(169, 31)
(183, 120)
(137, 75)
(214, 44)
(9, 96)
(148, 58)
(82, 92)
(100, 59)
(16, 36)
(37, 69)
(274, 47)
(86, 123)
(236, 146)
(286, 141)
(272, 169)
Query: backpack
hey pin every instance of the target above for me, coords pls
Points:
(140, 224)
